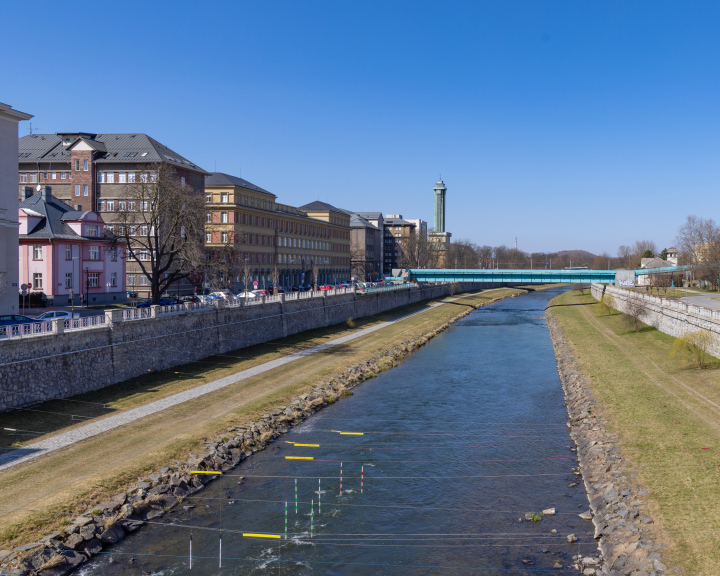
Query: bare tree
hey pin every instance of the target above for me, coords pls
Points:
(417, 251)
(698, 241)
(634, 312)
(246, 274)
(316, 275)
(163, 228)
(275, 277)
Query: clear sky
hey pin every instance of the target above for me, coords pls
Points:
(570, 124)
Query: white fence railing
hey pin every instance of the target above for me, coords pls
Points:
(131, 314)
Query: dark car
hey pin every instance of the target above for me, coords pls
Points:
(132, 294)
(11, 319)
(190, 299)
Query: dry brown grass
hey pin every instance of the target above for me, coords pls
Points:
(668, 419)
(36, 496)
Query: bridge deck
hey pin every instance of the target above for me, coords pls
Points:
(515, 276)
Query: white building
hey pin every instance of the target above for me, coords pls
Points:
(9, 119)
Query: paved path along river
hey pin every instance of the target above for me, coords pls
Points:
(458, 443)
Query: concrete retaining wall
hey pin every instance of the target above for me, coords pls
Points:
(669, 316)
(50, 366)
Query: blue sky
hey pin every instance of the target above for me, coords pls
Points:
(570, 124)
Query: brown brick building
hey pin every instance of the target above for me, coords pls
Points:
(93, 172)
(267, 234)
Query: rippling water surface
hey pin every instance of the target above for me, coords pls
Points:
(459, 442)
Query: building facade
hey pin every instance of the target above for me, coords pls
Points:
(395, 230)
(265, 235)
(366, 249)
(63, 253)
(96, 172)
(9, 283)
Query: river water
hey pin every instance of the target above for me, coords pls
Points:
(459, 442)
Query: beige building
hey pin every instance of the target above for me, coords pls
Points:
(9, 238)
(265, 234)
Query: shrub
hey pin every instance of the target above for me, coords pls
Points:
(454, 287)
(350, 323)
(692, 348)
(634, 313)
(606, 305)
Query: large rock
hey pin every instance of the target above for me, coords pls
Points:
(112, 534)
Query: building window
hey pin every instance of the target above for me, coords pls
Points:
(224, 217)
(85, 190)
(68, 280)
(208, 238)
(68, 252)
(143, 255)
(110, 228)
(54, 175)
(182, 181)
(91, 230)
(153, 176)
(37, 281)
(131, 204)
(101, 177)
(77, 165)
(37, 252)
(77, 189)
(208, 218)
(122, 205)
(224, 236)
(208, 197)
(110, 205)
(131, 279)
(145, 205)
(93, 279)
(62, 175)
(122, 177)
(23, 178)
(131, 177)
(85, 165)
(110, 177)
(143, 229)
(32, 178)
(143, 280)
(113, 279)
(113, 255)
(224, 198)
(94, 253)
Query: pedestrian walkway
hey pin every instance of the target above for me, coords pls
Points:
(65, 439)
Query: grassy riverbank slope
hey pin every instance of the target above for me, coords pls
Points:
(668, 419)
(35, 497)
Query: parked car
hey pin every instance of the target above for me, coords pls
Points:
(190, 299)
(221, 294)
(132, 294)
(248, 295)
(58, 314)
(280, 290)
(11, 319)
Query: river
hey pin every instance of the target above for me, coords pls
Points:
(458, 443)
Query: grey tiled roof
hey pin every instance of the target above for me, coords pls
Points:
(54, 212)
(357, 221)
(117, 148)
(318, 206)
(222, 179)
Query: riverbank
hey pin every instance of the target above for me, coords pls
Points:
(647, 435)
(88, 473)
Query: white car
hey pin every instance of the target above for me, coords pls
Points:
(247, 295)
(58, 314)
(223, 294)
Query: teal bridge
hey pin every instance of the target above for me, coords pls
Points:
(528, 276)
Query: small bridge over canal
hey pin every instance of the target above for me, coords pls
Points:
(573, 276)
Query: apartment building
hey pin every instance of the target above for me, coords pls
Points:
(366, 245)
(63, 253)
(395, 229)
(266, 235)
(9, 288)
(95, 172)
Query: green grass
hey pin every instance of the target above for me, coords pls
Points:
(665, 417)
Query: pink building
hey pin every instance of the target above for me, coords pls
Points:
(63, 252)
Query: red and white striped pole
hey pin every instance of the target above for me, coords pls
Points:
(340, 478)
(362, 478)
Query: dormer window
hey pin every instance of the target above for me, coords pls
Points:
(91, 231)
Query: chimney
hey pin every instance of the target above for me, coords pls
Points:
(46, 193)
(515, 242)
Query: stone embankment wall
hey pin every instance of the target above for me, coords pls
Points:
(49, 366)
(669, 316)
(622, 525)
(155, 495)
